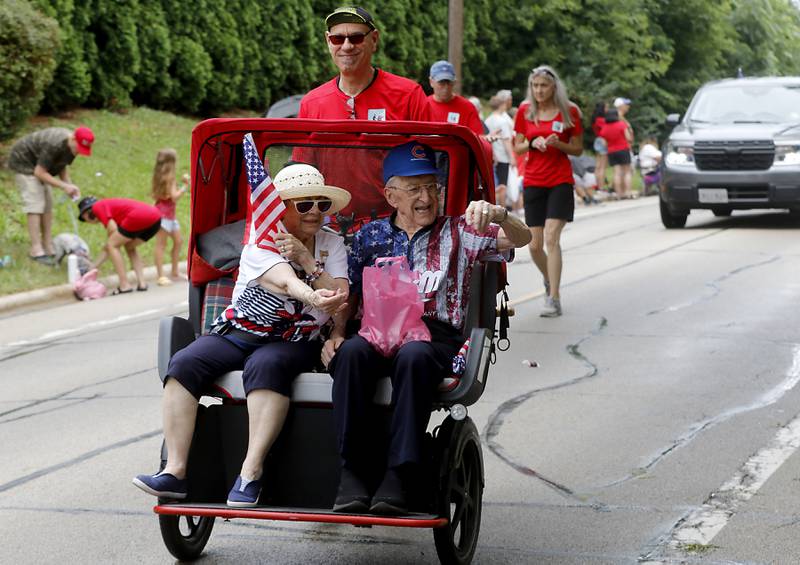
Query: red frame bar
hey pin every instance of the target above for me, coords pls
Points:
(329, 518)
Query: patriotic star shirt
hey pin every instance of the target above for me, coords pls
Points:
(443, 254)
(268, 314)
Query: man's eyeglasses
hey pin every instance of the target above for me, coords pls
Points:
(305, 206)
(354, 38)
(416, 191)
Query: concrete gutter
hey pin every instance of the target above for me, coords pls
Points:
(62, 291)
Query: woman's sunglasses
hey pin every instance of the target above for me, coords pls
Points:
(355, 38)
(305, 206)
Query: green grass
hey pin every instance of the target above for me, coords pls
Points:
(121, 165)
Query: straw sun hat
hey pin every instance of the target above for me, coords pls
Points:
(305, 181)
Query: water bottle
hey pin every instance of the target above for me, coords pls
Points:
(73, 274)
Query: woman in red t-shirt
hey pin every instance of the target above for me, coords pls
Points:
(618, 135)
(548, 128)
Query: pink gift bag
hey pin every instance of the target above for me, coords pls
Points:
(392, 306)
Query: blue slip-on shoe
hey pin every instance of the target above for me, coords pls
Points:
(244, 498)
(162, 485)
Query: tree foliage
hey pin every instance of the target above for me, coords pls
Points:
(207, 56)
(28, 40)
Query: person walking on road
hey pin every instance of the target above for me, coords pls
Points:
(40, 161)
(548, 129)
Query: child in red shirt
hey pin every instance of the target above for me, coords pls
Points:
(166, 194)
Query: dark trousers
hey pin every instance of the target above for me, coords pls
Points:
(270, 366)
(415, 371)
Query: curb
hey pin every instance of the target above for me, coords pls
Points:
(40, 295)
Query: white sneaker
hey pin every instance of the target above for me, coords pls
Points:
(552, 308)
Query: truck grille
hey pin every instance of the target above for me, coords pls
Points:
(756, 155)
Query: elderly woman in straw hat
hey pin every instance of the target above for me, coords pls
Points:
(271, 331)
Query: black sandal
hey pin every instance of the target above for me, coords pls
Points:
(142, 288)
(118, 290)
(48, 260)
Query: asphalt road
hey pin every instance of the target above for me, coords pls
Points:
(662, 424)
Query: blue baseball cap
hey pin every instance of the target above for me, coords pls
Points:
(442, 70)
(409, 160)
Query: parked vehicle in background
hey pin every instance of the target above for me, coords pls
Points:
(737, 148)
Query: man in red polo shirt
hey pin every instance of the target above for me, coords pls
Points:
(446, 105)
(129, 223)
(360, 92)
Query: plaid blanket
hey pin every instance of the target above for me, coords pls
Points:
(217, 298)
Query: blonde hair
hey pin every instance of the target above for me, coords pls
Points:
(164, 174)
(560, 97)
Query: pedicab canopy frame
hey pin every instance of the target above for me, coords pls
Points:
(216, 162)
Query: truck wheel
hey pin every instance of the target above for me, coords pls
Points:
(670, 220)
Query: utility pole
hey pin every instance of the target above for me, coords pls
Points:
(455, 38)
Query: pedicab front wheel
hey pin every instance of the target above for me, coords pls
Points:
(460, 492)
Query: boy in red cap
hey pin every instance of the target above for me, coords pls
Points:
(40, 160)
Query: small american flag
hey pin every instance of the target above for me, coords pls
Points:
(266, 206)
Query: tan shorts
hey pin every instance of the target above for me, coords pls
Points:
(37, 197)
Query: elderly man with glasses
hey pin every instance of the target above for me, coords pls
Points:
(442, 249)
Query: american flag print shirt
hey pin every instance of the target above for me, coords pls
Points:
(443, 254)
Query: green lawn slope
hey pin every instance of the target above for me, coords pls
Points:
(121, 165)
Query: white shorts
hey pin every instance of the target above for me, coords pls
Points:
(170, 225)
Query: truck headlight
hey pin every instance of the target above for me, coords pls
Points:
(788, 154)
(679, 155)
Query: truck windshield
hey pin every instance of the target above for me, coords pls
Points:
(731, 104)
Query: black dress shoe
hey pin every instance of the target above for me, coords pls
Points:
(390, 498)
(352, 496)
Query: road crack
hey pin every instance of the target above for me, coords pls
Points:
(498, 417)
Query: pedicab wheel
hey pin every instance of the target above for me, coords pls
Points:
(460, 492)
(184, 536)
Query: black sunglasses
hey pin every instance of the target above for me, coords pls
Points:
(355, 38)
(305, 206)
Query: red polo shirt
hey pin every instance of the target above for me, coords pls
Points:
(458, 111)
(130, 215)
(387, 97)
(551, 167)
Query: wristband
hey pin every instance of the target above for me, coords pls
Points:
(315, 274)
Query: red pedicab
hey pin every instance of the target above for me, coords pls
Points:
(302, 468)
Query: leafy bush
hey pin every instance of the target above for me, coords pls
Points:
(28, 40)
